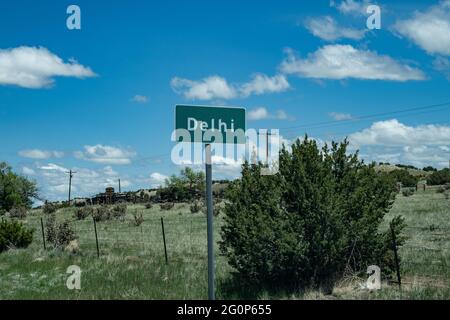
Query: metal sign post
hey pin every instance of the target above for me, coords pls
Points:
(202, 119)
(210, 235)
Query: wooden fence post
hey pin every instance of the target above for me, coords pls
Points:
(96, 238)
(397, 265)
(164, 239)
(43, 234)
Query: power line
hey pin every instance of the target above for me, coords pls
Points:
(369, 116)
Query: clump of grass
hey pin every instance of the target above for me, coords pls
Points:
(138, 219)
(195, 207)
(167, 206)
(148, 205)
(408, 192)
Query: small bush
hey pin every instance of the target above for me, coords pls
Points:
(59, 234)
(167, 206)
(148, 205)
(13, 234)
(195, 207)
(49, 208)
(138, 219)
(407, 192)
(101, 213)
(119, 211)
(18, 213)
(441, 189)
(83, 212)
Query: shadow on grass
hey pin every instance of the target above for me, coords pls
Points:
(234, 287)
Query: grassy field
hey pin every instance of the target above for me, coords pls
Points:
(132, 263)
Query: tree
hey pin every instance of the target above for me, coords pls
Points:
(15, 190)
(404, 177)
(303, 226)
(439, 177)
(429, 169)
(187, 186)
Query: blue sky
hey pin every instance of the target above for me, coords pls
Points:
(100, 100)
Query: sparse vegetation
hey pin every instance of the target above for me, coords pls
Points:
(49, 208)
(195, 207)
(83, 212)
(102, 213)
(18, 213)
(119, 211)
(439, 177)
(148, 205)
(166, 206)
(138, 218)
(407, 192)
(59, 234)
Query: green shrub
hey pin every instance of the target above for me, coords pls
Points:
(119, 211)
(13, 234)
(404, 177)
(195, 207)
(102, 213)
(18, 213)
(49, 208)
(300, 227)
(167, 206)
(148, 205)
(83, 212)
(59, 234)
(439, 177)
(407, 192)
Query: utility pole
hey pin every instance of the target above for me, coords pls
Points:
(119, 187)
(70, 182)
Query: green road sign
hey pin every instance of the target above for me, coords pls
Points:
(210, 124)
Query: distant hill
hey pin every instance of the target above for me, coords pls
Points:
(390, 167)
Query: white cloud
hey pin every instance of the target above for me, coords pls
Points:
(216, 87)
(262, 83)
(105, 154)
(394, 142)
(53, 167)
(140, 99)
(326, 28)
(109, 171)
(262, 113)
(28, 171)
(157, 178)
(345, 61)
(352, 7)
(213, 87)
(40, 154)
(338, 116)
(429, 30)
(394, 133)
(35, 67)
